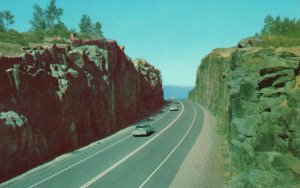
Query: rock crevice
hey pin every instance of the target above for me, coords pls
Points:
(255, 94)
(67, 96)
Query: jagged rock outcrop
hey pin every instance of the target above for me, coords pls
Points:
(56, 98)
(255, 93)
(250, 42)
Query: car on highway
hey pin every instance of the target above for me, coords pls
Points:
(143, 129)
(173, 107)
(149, 119)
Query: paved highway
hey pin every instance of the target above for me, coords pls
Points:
(123, 160)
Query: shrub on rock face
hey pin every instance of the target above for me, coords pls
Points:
(13, 119)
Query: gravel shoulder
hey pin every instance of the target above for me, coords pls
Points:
(205, 163)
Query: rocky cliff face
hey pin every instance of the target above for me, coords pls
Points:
(55, 98)
(255, 93)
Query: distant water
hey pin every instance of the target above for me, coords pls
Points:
(178, 92)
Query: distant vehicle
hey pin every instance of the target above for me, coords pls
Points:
(173, 108)
(149, 119)
(176, 102)
(143, 129)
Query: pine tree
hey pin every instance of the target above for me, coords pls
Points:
(47, 19)
(52, 15)
(6, 19)
(281, 27)
(86, 25)
(97, 28)
(277, 28)
(38, 21)
(2, 29)
(269, 21)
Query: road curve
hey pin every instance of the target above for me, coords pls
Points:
(123, 160)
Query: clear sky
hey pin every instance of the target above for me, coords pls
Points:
(173, 35)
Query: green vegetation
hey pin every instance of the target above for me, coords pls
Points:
(46, 26)
(10, 49)
(97, 28)
(37, 22)
(13, 119)
(281, 27)
(24, 39)
(86, 26)
(255, 94)
(280, 41)
(47, 19)
(279, 32)
(6, 19)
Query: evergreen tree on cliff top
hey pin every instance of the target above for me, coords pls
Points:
(52, 15)
(47, 19)
(86, 26)
(38, 21)
(98, 28)
(1, 24)
(268, 25)
(281, 27)
(6, 19)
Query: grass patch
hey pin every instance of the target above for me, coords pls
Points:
(280, 41)
(13, 41)
(10, 49)
(25, 38)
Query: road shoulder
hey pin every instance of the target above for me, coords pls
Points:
(204, 165)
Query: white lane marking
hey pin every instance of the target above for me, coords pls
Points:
(131, 153)
(171, 151)
(100, 151)
(78, 162)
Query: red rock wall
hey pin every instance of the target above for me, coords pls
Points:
(57, 98)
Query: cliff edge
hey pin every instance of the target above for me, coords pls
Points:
(55, 98)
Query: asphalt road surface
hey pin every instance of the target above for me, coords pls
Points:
(123, 160)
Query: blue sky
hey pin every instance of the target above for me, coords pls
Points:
(173, 35)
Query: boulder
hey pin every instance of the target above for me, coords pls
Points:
(250, 42)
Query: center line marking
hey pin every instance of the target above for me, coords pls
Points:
(131, 153)
(81, 161)
(171, 151)
(78, 162)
